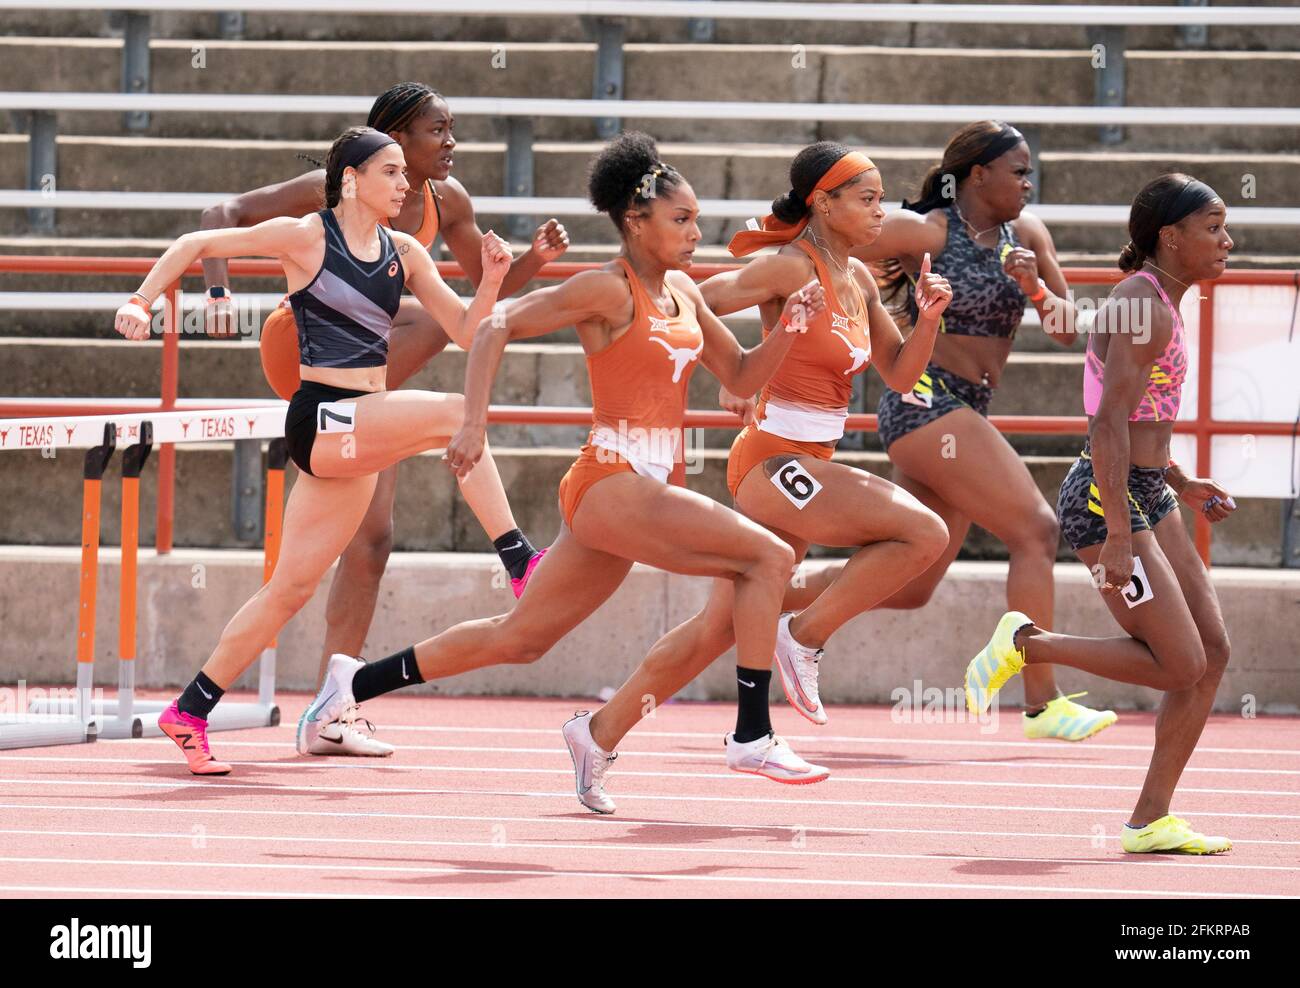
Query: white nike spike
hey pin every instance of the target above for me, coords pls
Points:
(590, 763)
(334, 698)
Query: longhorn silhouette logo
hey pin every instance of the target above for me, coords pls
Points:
(680, 356)
(859, 355)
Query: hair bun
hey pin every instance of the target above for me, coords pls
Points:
(1130, 258)
(789, 208)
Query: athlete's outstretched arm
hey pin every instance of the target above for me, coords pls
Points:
(582, 298)
(772, 277)
(297, 197)
(444, 305)
(287, 240)
(901, 362)
(741, 371)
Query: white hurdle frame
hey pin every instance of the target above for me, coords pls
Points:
(77, 721)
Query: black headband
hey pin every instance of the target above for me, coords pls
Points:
(1004, 142)
(355, 152)
(1193, 196)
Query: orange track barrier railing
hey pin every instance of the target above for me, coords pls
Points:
(1203, 427)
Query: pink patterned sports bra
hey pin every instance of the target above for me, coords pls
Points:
(1164, 388)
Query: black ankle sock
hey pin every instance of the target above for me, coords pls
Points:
(1035, 713)
(515, 550)
(199, 697)
(377, 678)
(752, 720)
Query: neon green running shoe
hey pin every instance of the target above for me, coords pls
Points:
(1066, 720)
(1172, 836)
(998, 662)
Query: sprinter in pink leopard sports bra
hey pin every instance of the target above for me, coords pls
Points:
(1119, 509)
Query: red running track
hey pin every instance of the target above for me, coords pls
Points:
(479, 801)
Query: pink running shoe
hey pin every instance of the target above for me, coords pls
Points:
(191, 735)
(518, 585)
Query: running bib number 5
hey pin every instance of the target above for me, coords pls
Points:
(796, 483)
(336, 416)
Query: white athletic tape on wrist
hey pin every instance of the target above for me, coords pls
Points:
(138, 311)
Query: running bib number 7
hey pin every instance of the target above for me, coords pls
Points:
(796, 483)
(336, 416)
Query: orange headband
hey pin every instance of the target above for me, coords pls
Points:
(774, 232)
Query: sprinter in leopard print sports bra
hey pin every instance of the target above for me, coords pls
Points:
(996, 256)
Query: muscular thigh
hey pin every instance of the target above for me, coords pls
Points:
(668, 527)
(849, 507)
(320, 518)
(1164, 622)
(387, 427)
(970, 465)
(1193, 578)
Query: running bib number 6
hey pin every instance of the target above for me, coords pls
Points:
(796, 483)
(336, 416)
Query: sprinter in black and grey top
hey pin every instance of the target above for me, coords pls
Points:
(345, 274)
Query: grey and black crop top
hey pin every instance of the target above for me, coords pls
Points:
(345, 314)
(986, 301)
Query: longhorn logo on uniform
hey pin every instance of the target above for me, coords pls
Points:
(680, 356)
(859, 355)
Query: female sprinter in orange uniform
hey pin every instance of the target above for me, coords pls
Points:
(418, 118)
(937, 435)
(1119, 509)
(780, 470)
(345, 275)
(643, 326)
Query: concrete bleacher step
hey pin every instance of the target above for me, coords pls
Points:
(715, 170)
(832, 73)
(430, 515)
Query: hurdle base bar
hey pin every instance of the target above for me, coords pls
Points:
(17, 731)
(143, 722)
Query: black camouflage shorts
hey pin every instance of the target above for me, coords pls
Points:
(1078, 509)
(937, 393)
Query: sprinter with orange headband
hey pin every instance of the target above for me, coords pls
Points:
(644, 327)
(780, 471)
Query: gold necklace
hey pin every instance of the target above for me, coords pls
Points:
(974, 234)
(817, 242)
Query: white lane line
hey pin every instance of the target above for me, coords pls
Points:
(1078, 763)
(771, 801)
(585, 820)
(713, 738)
(170, 893)
(545, 872)
(1148, 861)
(731, 778)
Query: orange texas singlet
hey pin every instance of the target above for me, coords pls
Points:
(638, 395)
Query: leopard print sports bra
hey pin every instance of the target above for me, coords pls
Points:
(986, 301)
